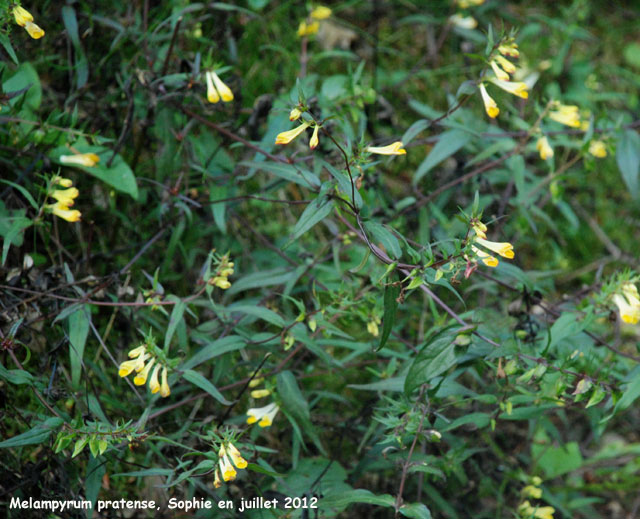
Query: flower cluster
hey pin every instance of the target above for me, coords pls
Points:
(311, 24)
(25, 19)
(527, 510)
(263, 416)
(88, 160)
(224, 270)
(628, 302)
(502, 70)
(395, 148)
(503, 249)
(598, 149)
(216, 89)
(569, 115)
(372, 326)
(64, 199)
(143, 361)
(226, 469)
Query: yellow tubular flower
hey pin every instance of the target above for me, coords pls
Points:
(260, 393)
(256, 382)
(64, 182)
(487, 259)
(236, 457)
(136, 352)
(263, 415)
(598, 149)
(500, 74)
(479, 228)
(546, 151)
(532, 491)
(129, 365)
(212, 93)
(321, 13)
(567, 115)
(516, 88)
(506, 64)
(83, 159)
(313, 143)
(308, 30)
(63, 211)
(463, 22)
(288, 136)
(295, 114)
(225, 92)
(509, 49)
(490, 105)
(628, 303)
(464, 4)
(504, 249)
(164, 387)
(216, 480)
(141, 377)
(65, 196)
(372, 328)
(544, 512)
(34, 31)
(22, 16)
(395, 148)
(154, 385)
(227, 470)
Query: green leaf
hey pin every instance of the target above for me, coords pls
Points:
(415, 511)
(414, 130)
(25, 77)
(630, 394)
(215, 349)
(259, 311)
(436, 357)
(198, 380)
(380, 235)
(391, 293)
(96, 469)
(13, 235)
(447, 145)
(359, 495)
(300, 176)
(556, 461)
(38, 434)
(6, 43)
(118, 176)
(628, 159)
(78, 332)
(175, 319)
(81, 65)
(80, 443)
(314, 213)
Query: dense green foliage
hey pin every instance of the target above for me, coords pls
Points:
(448, 332)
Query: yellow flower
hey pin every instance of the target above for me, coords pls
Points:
(82, 159)
(546, 151)
(510, 49)
(64, 182)
(321, 13)
(236, 457)
(128, 366)
(34, 30)
(228, 472)
(216, 88)
(487, 259)
(22, 16)
(479, 228)
(464, 4)
(544, 512)
(141, 378)
(395, 148)
(628, 303)
(295, 114)
(517, 88)
(256, 382)
(500, 74)
(505, 64)
(536, 480)
(288, 136)
(164, 387)
(136, 352)
(504, 249)
(216, 480)
(307, 30)
(490, 105)
(263, 415)
(532, 491)
(463, 22)
(567, 115)
(65, 196)
(62, 211)
(154, 385)
(372, 328)
(220, 282)
(260, 393)
(313, 142)
(598, 149)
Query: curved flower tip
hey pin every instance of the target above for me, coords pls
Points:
(141, 377)
(504, 249)
(87, 160)
(236, 457)
(65, 196)
(490, 105)
(263, 415)
(487, 259)
(260, 393)
(598, 149)
(395, 148)
(216, 480)
(500, 74)
(154, 385)
(288, 136)
(225, 92)
(34, 30)
(544, 148)
(22, 16)
(305, 29)
(628, 304)
(164, 387)
(516, 88)
(62, 211)
(212, 93)
(463, 22)
(313, 142)
(227, 470)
